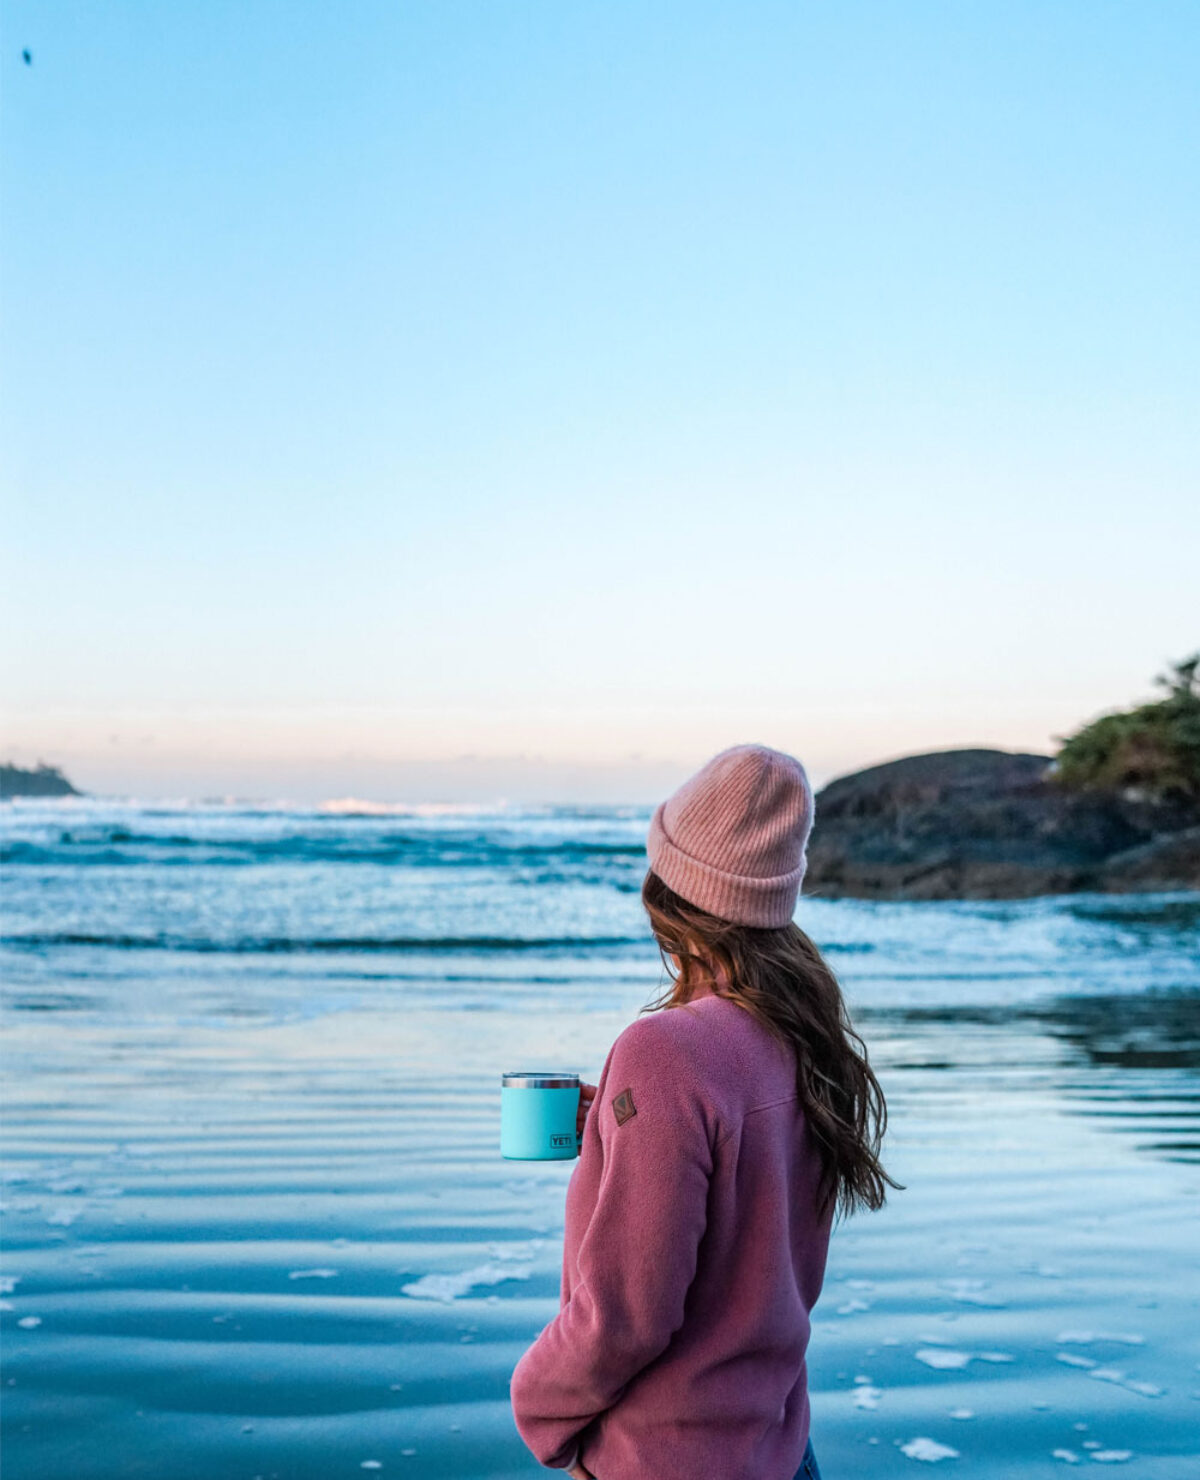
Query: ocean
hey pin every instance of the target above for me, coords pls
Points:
(255, 1220)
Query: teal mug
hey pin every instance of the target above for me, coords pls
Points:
(538, 1112)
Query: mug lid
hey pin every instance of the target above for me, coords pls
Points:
(539, 1079)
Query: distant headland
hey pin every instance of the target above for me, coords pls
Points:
(45, 781)
(1116, 811)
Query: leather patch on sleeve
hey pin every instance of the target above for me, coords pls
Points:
(623, 1106)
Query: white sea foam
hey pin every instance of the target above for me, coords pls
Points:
(1132, 1385)
(928, 1449)
(1068, 1456)
(518, 1250)
(1147, 1389)
(942, 1357)
(866, 1396)
(448, 1287)
(312, 1274)
(947, 1357)
(361, 807)
(29, 1322)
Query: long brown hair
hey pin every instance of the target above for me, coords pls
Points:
(780, 977)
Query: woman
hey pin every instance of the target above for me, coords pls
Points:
(728, 1126)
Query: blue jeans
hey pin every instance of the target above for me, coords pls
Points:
(808, 1465)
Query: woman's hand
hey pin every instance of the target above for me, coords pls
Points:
(587, 1093)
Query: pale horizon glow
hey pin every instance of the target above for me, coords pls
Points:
(453, 402)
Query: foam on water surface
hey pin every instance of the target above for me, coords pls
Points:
(928, 1450)
(448, 1287)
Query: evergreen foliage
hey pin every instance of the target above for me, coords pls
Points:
(1153, 749)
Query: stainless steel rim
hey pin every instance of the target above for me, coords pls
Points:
(540, 1081)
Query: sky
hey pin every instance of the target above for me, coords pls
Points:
(497, 400)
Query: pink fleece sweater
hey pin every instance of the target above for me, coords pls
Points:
(692, 1257)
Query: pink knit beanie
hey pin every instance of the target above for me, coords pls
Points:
(731, 839)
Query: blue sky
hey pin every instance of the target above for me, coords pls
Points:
(472, 400)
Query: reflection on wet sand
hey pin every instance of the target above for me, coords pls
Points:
(1130, 1063)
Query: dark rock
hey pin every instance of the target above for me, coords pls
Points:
(46, 781)
(988, 824)
(1167, 862)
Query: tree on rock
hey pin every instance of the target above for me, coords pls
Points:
(1152, 751)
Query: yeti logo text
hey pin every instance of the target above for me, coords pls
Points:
(623, 1106)
(557, 1141)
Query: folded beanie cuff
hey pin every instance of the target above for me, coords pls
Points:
(739, 898)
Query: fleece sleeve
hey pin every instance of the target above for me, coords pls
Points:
(637, 1256)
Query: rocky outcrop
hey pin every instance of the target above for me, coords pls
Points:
(46, 781)
(990, 824)
(1168, 862)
